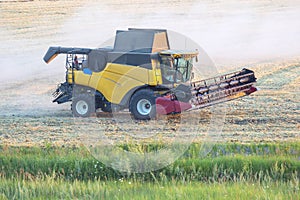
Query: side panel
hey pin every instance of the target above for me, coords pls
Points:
(160, 42)
(117, 80)
(80, 78)
(69, 77)
(155, 74)
(134, 72)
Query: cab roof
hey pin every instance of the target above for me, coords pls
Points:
(179, 53)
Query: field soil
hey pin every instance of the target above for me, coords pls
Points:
(28, 117)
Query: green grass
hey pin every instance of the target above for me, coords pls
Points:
(230, 170)
(225, 161)
(124, 189)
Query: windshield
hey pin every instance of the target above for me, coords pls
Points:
(176, 70)
(184, 67)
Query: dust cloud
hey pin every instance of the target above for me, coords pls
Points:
(230, 32)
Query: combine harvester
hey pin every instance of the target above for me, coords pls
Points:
(141, 73)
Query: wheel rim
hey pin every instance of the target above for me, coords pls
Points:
(144, 107)
(82, 107)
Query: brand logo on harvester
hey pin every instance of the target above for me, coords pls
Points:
(145, 113)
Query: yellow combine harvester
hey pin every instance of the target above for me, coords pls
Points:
(141, 73)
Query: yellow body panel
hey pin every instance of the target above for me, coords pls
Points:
(69, 77)
(116, 80)
(155, 74)
(80, 78)
(134, 72)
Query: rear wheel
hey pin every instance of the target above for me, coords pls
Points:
(142, 104)
(83, 105)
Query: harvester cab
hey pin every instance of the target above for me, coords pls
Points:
(141, 73)
(177, 66)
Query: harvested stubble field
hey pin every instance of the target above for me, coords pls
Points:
(272, 114)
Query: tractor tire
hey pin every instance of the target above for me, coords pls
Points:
(106, 107)
(83, 105)
(142, 105)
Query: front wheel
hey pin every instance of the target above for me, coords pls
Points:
(142, 104)
(83, 105)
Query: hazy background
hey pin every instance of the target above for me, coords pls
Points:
(233, 33)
